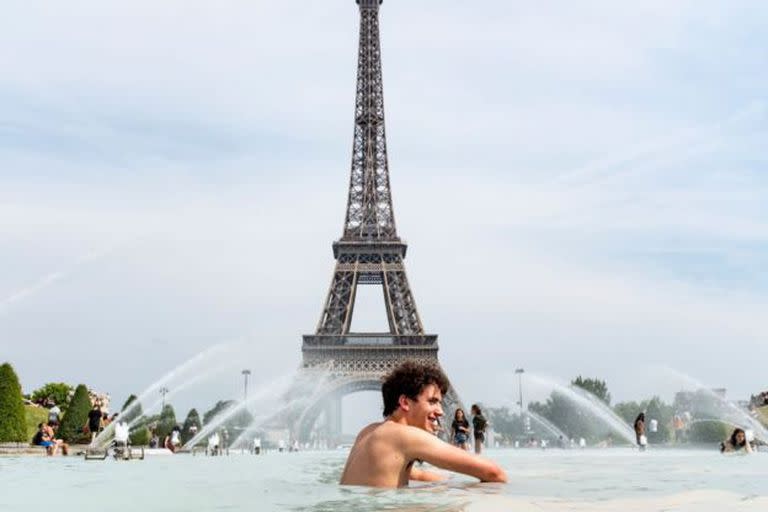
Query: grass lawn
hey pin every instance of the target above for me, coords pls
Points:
(35, 415)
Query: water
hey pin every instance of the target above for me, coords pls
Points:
(201, 365)
(552, 480)
(555, 432)
(589, 403)
(270, 392)
(720, 408)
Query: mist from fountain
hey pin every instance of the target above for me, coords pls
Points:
(548, 425)
(726, 411)
(273, 390)
(590, 403)
(192, 364)
(312, 382)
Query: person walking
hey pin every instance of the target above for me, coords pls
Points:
(94, 421)
(53, 416)
(479, 424)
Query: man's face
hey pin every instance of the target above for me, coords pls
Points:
(424, 412)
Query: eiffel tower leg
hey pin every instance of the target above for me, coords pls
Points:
(339, 305)
(401, 307)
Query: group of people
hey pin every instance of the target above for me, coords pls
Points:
(46, 437)
(737, 441)
(460, 431)
(759, 400)
(46, 433)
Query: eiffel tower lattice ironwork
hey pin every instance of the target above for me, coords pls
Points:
(369, 252)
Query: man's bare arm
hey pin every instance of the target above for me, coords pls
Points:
(424, 446)
(421, 475)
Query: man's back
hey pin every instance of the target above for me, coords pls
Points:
(375, 459)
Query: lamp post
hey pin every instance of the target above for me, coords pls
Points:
(163, 391)
(520, 372)
(245, 373)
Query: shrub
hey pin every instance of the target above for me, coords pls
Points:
(140, 436)
(13, 422)
(193, 418)
(71, 429)
(167, 422)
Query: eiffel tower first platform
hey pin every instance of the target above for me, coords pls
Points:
(369, 252)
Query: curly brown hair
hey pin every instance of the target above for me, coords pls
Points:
(409, 379)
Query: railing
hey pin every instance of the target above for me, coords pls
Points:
(381, 340)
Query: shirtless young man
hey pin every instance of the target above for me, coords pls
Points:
(384, 453)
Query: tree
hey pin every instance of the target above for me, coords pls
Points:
(628, 411)
(166, 422)
(569, 417)
(238, 422)
(13, 423)
(71, 429)
(599, 388)
(706, 431)
(510, 426)
(217, 409)
(135, 411)
(193, 418)
(58, 393)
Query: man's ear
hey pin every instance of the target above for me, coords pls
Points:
(403, 403)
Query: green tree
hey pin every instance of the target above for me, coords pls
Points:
(13, 426)
(193, 418)
(238, 422)
(71, 429)
(597, 387)
(166, 422)
(628, 411)
(217, 409)
(140, 436)
(569, 417)
(510, 426)
(706, 431)
(134, 413)
(57, 392)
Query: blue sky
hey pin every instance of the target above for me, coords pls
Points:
(583, 186)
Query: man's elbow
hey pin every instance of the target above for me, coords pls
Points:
(495, 474)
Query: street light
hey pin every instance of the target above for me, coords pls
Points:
(245, 373)
(163, 391)
(520, 372)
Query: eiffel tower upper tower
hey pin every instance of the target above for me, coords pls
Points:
(369, 252)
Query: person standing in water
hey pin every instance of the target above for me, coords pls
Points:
(384, 453)
(736, 443)
(479, 424)
(640, 431)
(460, 430)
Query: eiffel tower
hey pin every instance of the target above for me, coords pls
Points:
(369, 252)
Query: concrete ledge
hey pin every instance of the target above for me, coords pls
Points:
(27, 450)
